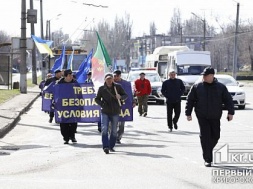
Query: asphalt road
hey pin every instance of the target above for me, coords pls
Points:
(33, 154)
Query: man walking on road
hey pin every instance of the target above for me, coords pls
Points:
(142, 91)
(109, 97)
(57, 76)
(208, 98)
(68, 130)
(121, 124)
(173, 89)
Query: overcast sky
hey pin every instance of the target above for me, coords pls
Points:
(75, 16)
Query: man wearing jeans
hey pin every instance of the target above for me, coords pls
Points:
(109, 97)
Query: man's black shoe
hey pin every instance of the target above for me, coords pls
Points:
(73, 140)
(99, 130)
(50, 119)
(208, 164)
(66, 142)
(106, 150)
(144, 114)
(118, 142)
(112, 150)
(175, 126)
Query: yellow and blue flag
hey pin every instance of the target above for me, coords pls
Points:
(42, 45)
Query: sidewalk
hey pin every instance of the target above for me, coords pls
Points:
(11, 110)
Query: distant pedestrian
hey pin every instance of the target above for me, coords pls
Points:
(142, 91)
(173, 89)
(121, 124)
(89, 80)
(68, 130)
(207, 98)
(109, 97)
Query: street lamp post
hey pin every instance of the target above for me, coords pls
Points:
(34, 65)
(204, 30)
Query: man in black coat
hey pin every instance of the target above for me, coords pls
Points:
(208, 98)
(173, 89)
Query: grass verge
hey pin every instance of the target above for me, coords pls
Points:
(6, 94)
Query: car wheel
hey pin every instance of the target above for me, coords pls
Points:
(160, 102)
(241, 107)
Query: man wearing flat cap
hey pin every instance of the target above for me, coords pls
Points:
(207, 98)
(142, 91)
(109, 97)
(57, 76)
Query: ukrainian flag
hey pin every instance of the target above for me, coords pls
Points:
(42, 45)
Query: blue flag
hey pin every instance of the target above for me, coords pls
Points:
(59, 62)
(70, 60)
(84, 68)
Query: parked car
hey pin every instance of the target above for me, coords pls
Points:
(234, 88)
(155, 82)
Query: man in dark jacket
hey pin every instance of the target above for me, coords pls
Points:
(57, 76)
(109, 97)
(68, 130)
(208, 98)
(172, 89)
(121, 124)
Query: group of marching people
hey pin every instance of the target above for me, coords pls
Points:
(204, 98)
(109, 96)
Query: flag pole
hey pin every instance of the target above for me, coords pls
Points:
(116, 92)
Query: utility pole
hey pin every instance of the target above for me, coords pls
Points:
(23, 79)
(43, 69)
(204, 31)
(34, 65)
(235, 44)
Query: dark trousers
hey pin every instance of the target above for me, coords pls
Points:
(177, 110)
(51, 114)
(209, 136)
(68, 130)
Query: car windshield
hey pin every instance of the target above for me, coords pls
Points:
(227, 81)
(152, 77)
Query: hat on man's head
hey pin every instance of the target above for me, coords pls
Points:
(108, 75)
(142, 73)
(89, 73)
(207, 71)
(117, 72)
(57, 71)
(67, 72)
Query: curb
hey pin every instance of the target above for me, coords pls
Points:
(13, 121)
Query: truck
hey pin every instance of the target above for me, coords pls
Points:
(159, 58)
(189, 65)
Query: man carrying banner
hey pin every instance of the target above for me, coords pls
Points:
(68, 130)
(124, 83)
(109, 97)
(57, 76)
